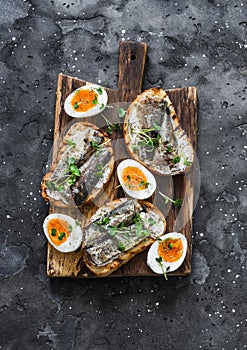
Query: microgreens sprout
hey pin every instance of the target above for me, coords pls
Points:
(70, 176)
(100, 169)
(77, 223)
(121, 112)
(176, 160)
(104, 221)
(95, 100)
(110, 127)
(95, 145)
(148, 137)
(176, 202)
(99, 90)
(164, 271)
(70, 143)
(187, 162)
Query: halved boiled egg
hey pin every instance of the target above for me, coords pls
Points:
(86, 101)
(167, 253)
(63, 232)
(136, 180)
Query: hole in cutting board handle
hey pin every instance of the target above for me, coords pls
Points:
(133, 57)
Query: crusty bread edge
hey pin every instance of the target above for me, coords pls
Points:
(127, 138)
(103, 271)
(95, 192)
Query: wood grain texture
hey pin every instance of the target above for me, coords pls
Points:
(181, 186)
(132, 58)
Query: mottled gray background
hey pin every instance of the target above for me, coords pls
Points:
(200, 43)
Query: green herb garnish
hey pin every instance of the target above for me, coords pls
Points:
(148, 137)
(176, 160)
(51, 185)
(70, 228)
(99, 90)
(159, 260)
(145, 184)
(102, 106)
(151, 221)
(170, 245)
(176, 202)
(104, 221)
(53, 232)
(70, 143)
(95, 100)
(110, 126)
(61, 236)
(73, 169)
(187, 163)
(156, 126)
(137, 218)
(121, 112)
(169, 149)
(121, 246)
(77, 223)
(96, 146)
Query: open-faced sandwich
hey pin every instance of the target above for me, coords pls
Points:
(118, 231)
(153, 135)
(83, 167)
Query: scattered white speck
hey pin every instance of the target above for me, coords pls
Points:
(8, 216)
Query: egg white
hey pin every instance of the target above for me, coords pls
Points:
(153, 254)
(142, 194)
(102, 99)
(74, 239)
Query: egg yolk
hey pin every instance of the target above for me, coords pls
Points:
(134, 178)
(58, 231)
(170, 249)
(83, 100)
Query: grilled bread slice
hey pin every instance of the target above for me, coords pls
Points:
(82, 169)
(153, 135)
(118, 231)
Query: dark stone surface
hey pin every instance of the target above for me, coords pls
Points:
(198, 43)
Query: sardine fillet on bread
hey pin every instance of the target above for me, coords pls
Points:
(87, 148)
(118, 231)
(153, 135)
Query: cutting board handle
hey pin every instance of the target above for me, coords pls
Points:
(132, 58)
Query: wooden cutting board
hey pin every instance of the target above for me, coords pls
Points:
(132, 57)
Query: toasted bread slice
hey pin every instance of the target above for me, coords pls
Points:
(102, 253)
(153, 135)
(89, 149)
